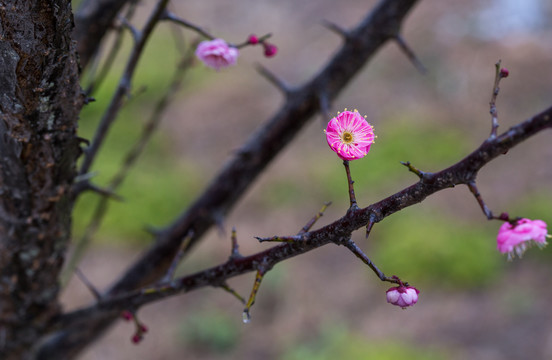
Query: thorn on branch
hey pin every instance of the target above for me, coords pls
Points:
(371, 223)
(233, 292)
(258, 278)
(312, 221)
(88, 186)
(421, 174)
(88, 284)
(282, 86)
(136, 34)
(169, 276)
(335, 28)
(235, 253)
(410, 54)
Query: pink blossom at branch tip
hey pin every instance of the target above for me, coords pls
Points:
(515, 239)
(253, 40)
(216, 53)
(403, 296)
(269, 49)
(350, 135)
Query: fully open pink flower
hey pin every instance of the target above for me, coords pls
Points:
(402, 296)
(216, 53)
(515, 239)
(349, 135)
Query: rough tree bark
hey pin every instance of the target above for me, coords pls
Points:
(40, 100)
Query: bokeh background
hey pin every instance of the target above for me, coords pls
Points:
(327, 304)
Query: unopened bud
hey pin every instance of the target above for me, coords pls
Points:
(270, 50)
(253, 40)
(504, 73)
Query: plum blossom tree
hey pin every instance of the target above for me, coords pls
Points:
(44, 47)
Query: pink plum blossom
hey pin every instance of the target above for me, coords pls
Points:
(402, 296)
(216, 53)
(350, 135)
(515, 239)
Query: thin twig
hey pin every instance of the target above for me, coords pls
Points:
(315, 218)
(167, 15)
(178, 258)
(492, 103)
(410, 54)
(122, 89)
(280, 84)
(258, 278)
(350, 244)
(88, 284)
(112, 55)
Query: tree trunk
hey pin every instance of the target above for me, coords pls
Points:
(40, 100)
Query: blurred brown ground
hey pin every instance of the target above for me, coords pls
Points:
(458, 42)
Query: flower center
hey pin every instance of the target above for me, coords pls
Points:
(347, 137)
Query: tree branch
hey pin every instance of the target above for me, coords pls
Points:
(463, 172)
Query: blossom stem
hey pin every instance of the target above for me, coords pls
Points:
(350, 244)
(350, 181)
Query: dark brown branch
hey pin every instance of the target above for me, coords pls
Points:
(122, 89)
(129, 161)
(463, 172)
(92, 21)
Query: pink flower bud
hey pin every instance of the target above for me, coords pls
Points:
(402, 296)
(143, 328)
(217, 54)
(253, 40)
(136, 338)
(515, 239)
(127, 315)
(269, 49)
(350, 135)
(504, 73)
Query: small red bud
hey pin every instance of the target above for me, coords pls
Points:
(504, 73)
(253, 40)
(504, 216)
(127, 315)
(143, 328)
(270, 50)
(136, 338)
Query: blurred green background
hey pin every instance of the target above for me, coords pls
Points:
(326, 304)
